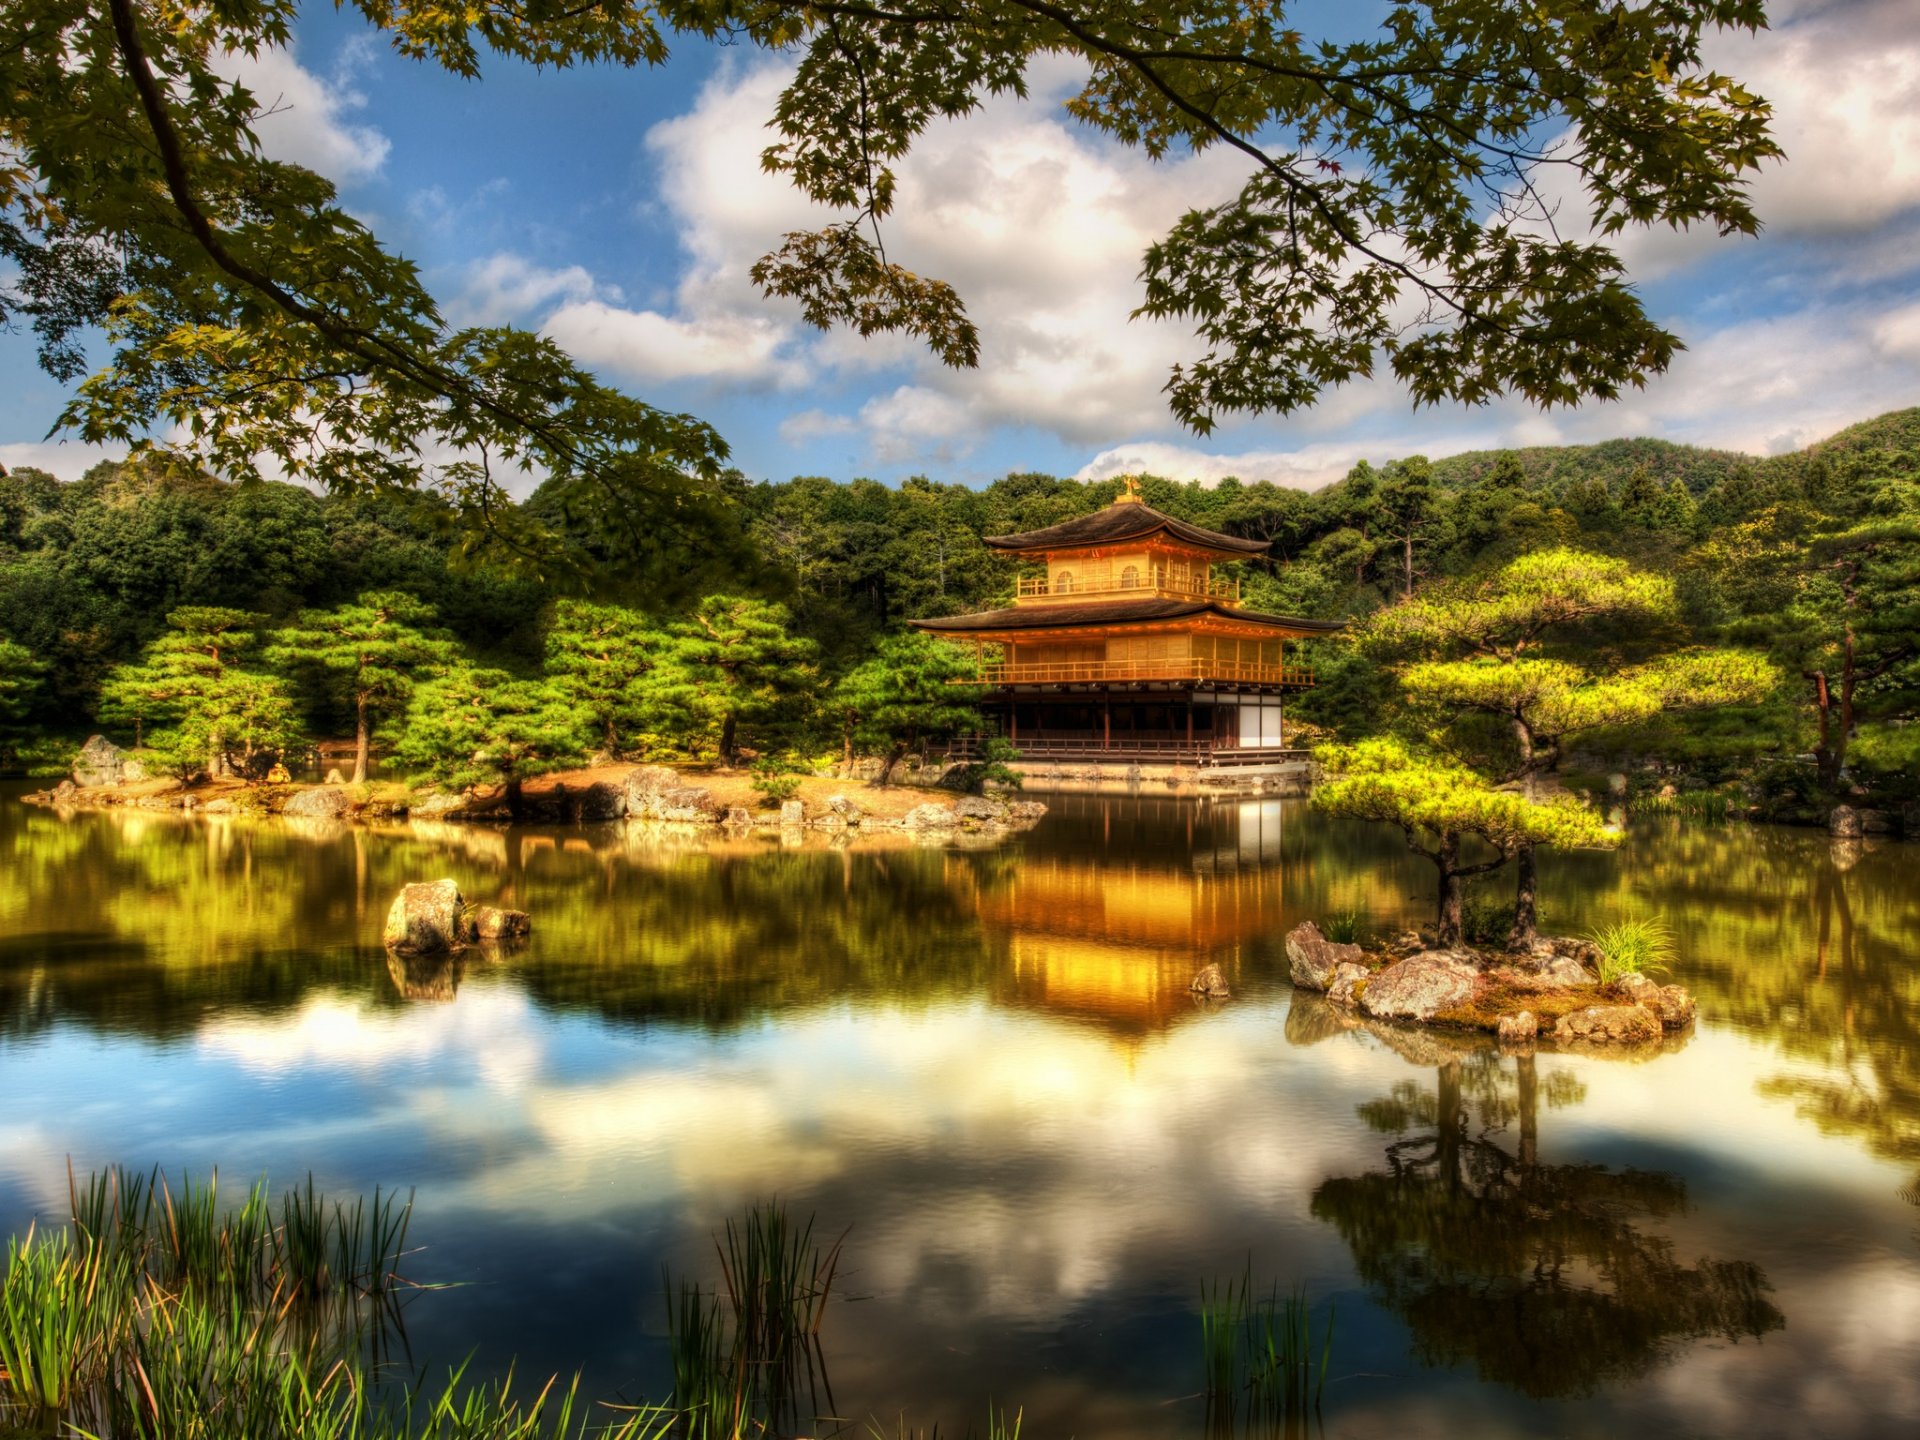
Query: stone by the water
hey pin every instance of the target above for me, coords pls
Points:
(324, 802)
(1421, 986)
(1519, 1028)
(793, 814)
(100, 762)
(1845, 823)
(1211, 982)
(1609, 1025)
(1312, 957)
(426, 919)
(490, 923)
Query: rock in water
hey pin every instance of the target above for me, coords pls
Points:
(100, 762)
(334, 777)
(1519, 1028)
(1313, 957)
(1211, 982)
(323, 803)
(792, 814)
(1844, 823)
(1609, 1025)
(1420, 986)
(930, 817)
(426, 919)
(492, 924)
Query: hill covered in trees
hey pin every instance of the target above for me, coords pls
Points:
(1806, 557)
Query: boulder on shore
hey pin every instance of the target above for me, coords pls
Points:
(1421, 986)
(1314, 958)
(1609, 1025)
(100, 762)
(793, 814)
(1210, 982)
(1672, 1005)
(325, 802)
(1845, 823)
(426, 919)
(1519, 1028)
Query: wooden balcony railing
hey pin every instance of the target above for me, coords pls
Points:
(1082, 672)
(1157, 581)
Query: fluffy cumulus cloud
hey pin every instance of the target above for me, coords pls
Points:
(304, 119)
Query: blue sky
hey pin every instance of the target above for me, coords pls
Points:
(618, 211)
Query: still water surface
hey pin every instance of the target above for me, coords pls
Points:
(986, 1067)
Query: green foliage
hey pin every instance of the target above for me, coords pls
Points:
(911, 689)
(19, 683)
(486, 727)
(1639, 946)
(1343, 926)
(159, 1314)
(774, 782)
(1259, 1356)
(194, 701)
(598, 660)
(733, 666)
(368, 653)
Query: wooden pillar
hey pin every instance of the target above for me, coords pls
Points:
(1106, 723)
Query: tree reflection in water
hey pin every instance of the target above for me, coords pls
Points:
(1538, 1275)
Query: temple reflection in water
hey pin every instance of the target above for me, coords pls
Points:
(1119, 943)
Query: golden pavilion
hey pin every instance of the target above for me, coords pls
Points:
(1128, 648)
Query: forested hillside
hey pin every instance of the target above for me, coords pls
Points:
(1808, 557)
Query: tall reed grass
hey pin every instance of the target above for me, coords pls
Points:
(1264, 1364)
(1639, 946)
(161, 1312)
(747, 1359)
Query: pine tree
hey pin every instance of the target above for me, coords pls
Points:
(1491, 641)
(19, 683)
(598, 660)
(1640, 499)
(1439, 805)
(370, 652)
(473, 726)
(214, 713)
(907, 692)
(733, 662)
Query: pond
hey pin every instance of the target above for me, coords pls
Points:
(984, 1067)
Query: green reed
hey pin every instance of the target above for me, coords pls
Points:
(1343, 927)
(1260, 1356)
(740, 1368)
(163, 1310)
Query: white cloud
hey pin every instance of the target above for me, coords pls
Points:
(1305, 469)
(67, 459)
(650, 346)
(505, 287)
(809, 425)
(302, 118)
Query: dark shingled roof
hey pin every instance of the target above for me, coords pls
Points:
(1124, 522)
(1112, 612)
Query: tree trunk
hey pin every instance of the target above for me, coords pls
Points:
(1526, 893)
(1451, 1118)
(729, 740)
(1843, 732)
(1409, 564)
(516, 800)
(1452, 911)
(1824, 752)
(895, 754)
(362, 739)
(846, 750)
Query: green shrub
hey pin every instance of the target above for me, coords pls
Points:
(774, 781)
(1485, 923)
(1633, 947)
(1342, 927)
